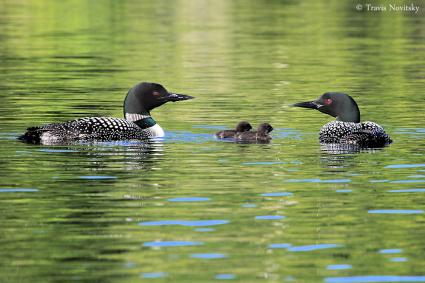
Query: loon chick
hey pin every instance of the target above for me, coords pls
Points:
(347, 128)
(260, 136)
(240, 127)
(138, 123)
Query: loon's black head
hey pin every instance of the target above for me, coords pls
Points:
(243, 127)
(264, 128)
(336, 104)
(144, 97)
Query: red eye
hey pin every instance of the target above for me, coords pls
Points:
(155, 93)
(328, 101)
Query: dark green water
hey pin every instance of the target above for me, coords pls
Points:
(190, 208)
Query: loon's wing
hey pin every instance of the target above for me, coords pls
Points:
(367, 139)
(84, 129)
(35, 134)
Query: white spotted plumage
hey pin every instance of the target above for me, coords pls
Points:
(367, 134)
(96, 129)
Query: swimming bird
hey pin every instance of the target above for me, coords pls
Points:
(259, 136)
(240, 127)
(138, 123)
(347, 129)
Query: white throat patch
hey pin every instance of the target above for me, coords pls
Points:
(134, 117)
(154, 131)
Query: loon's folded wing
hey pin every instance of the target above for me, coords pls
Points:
(366, 139)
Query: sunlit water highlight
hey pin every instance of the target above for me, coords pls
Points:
(194, 223)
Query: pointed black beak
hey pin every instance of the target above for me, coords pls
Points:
(176, 97)
(308, 104)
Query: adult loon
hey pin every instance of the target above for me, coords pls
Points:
(240, 127)
(259, 136)
(347, 128)
(138, 123)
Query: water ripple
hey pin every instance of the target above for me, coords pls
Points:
(186, 136)
(280, 246)
(318, 181)
(208, 256)
(408, 191)
(188, 223)
(390, 251)
(17, 190)
(204, 229)
(395, 211)
(404, 166)
(375, 278)
(172, 244)
(343, 191)
(313, 247)
(57, 150)
(277, 194)
(269, 217)
(338, 266)
(398, 259)
(153, 274)
(209, 127)
(249, 205)
(188, 199)
(97, 177)
(407, 181)
(416, 176)
(225, 276)
(263, 163)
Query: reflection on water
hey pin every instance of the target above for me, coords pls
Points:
(338, 266)
(396, 211)
(185, 223)
(375, 278)
(208, 256)
(188, 199)
(312, 247)
(269, 217)
(189, 207)
(17, 190)
(279, 246)
(225, 276)
(278, 194)
(408, 191)
(153, 274)
(171, 244)
(390, 251)
(398, 259)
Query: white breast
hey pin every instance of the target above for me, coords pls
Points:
(156, 131)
